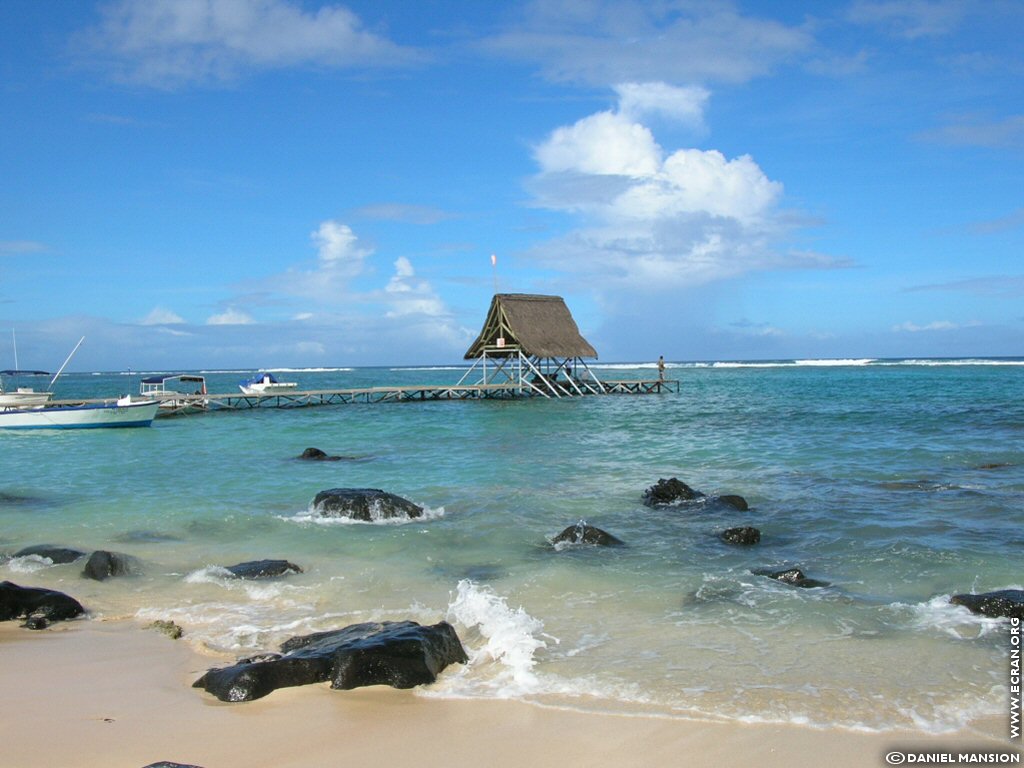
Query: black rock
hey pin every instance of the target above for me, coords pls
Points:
(263, 569)
(734, 501)
(581, 533)
(745, 535)
(315, 454)
(37, 605)
(1008, 603)
(367, 504)
(400, 654)
(103, 564)
(670, 492)
(168, 764)
(793, 576)
(58, 555)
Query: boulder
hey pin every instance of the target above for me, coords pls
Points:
(103, 564)
(58, 555)
(581, 533)
(400, 654)
(745, 535)
(792, 576)
(167, 627)
(732, 500)
(315, 454)
(263, 569)
(36, 605)
(1004, 603)
(366, 504)
(670, 492)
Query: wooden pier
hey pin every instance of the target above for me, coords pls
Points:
(177, 404)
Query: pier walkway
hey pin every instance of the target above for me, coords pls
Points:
(181, 404)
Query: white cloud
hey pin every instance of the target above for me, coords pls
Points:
(230, 316)
(21, 247)
(409, 295)
(161, 316)
(613, 41)
(910, 18)
(655, 218)
(685, 105)
(338, 248)
(938, 325)
(171, 42)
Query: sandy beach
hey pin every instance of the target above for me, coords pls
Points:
(112, 693)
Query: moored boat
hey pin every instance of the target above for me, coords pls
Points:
(124, 412)
(267, 384)
(21, 397)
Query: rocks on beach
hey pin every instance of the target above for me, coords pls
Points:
(263, 569)
(581, 533)
(792, 576)
(55, 554)
(674, 492)
(103, 565)
(365, 504)
(744, 536)
(400, 654)
(1003, 603)
(38, 606)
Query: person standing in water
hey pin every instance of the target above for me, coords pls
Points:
(661, 367)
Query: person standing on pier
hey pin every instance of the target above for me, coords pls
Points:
(661, 367)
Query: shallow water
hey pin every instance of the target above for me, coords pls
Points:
(899, 482)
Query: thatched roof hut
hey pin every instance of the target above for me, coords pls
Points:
(538, 326)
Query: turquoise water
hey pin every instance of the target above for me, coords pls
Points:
(900, 482)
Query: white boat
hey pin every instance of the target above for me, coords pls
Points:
(122, 413)
(21, 397)
(267, 384)
(167, 389)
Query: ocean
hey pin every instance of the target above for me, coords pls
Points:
(898, 482)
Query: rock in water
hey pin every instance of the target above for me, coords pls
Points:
(792, 576)
(263, 569)
(400, 654)
(746, 535)
(59, 555)
(669, 492)
(734, 501)
(366, 504)
(103, 564)
(581, 533)
(38, 606)
(315, 454)
(1008, 603)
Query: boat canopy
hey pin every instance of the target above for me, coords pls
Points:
(165, 377)
(262, 378)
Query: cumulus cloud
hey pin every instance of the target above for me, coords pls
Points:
(410, 295)
(167, 43)
(161, 316)
(230, 316)
(657, 218)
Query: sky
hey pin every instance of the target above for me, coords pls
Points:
(202, 184)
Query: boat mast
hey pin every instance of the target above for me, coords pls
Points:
(57, 375)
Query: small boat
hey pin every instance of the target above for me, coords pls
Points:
(124, 412)
(267, 384)
(21, 397)
(167, 389)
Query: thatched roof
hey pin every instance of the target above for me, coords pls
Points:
(541, 326)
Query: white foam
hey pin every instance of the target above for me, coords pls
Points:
(311, 517)
(954, 620)
(28, 564)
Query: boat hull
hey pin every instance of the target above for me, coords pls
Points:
(81, 416)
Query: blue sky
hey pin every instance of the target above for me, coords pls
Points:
(219, 183)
